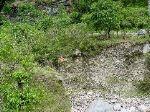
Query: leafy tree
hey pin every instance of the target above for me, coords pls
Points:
(105, 15)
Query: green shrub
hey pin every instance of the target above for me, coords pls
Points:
(105, 15)
(62, 19)
(7, 9)
(17, 61)
(144, 85)
(21, 45)
(45, 23)
(75, 17)
(148, 61)
(28, 13)
(134, 17)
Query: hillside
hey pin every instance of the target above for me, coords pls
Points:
(74, 56)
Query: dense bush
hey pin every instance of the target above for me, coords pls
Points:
(134, 18)
(16, 63)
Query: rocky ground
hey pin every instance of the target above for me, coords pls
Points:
(106, 83)
(94, 102)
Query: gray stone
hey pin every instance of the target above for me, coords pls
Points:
(100, 106)
(132, 109)
(142, 32)
(77, 52)
(146, 48)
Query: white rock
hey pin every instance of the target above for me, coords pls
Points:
(128, 100)
(125, 110)
(117, 107)
(143, 108)
(114, 101)
(100, 106)
(146, 48)
(132, 109)
(77, 52)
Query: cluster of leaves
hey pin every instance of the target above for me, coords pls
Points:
(16, 63)
(134, 18)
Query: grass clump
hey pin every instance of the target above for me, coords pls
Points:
(143, 86)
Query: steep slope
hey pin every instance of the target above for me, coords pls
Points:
(112, 76)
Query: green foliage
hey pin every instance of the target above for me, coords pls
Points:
(18, 101)
(34, 37)
(17, 62)
(21, 46)
(83, 6)
(66, 40)
(134, 18)
(44, 2)
(105, 15)
(133, 2)
(80, 8)
(62, 19)
(45, 23)
(75, 17)
(7, 9)
(51, 90)
(21, 75)
(29, 13)
(143, 86)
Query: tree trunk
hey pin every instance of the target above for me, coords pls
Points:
(108, 33)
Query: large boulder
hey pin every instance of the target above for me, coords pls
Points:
(100, 106)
